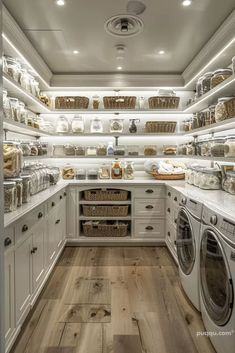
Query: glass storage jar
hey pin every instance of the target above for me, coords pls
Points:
(116, 125)
(96, 126)
(110, 149)
(129, 170)
(58, 150)
(96, 102)
(34, 149)
(10, 196)
(13, 68)
(22, 113)
(210, 179)
(182, 150)
(62, 125)
(54, 175)
(133, 150)
(26, 149)
(206, 82)
(219, 76)
(206, 148)
(169, 150)
(104, 171)
(26, 180)
(220, 109)
(190, 149)
(69, 150)
(19, 190)
(117, 169)
(12, 159)
(229, 183)
(101, 150)
(133, 126)
(25, 80)
(7, 111)
(217, 147)
(229, 147)
(68, 172)
(91, 151)
(77, 124)
(80, 151)
(15, 109)
(199, 87)
(150, 150)
(119, 150)
(80, 174)
(212, 113)
(92, 174)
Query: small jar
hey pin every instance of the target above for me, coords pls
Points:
(119, 150)
(129, 170)
(19, 190)
(190, 149)
(15, 109)
(116, 125)
(210, 179)
(58, 150)
(219, 76)
(206, 148)
(7, 110)
(182, 150)
(212, 113)
(62, 125)
(80, 151)
(10, 196)
(217, 147)
(22, 113)
(116, 170)
(34, 149)
(91, 151)
(26, 180)
(169, 150)
(206, 82)
(25, 80)
(96, 102)
(229, 184)
(96, 126)
(150, 150)
(80, 174)
(133, 126)
(110, 149)
(69, 150)
(221, 112)
(229, 147)
(101, 150)
(104, 171)
(133, 150)
(92, 174)
(26, 149)
(13, 68)
(77, 125)
(68, 172)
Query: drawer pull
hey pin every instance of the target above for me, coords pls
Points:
(149, 191)
(169, 234)
(169, 194)
(7, 241)
(61, 197)
(25, 228)
(175, 220)
(58, 221)
(168, 210)
(40, 215)
(149, 207)
(65, 193)
(52, 204)
(149, 228)
(34, 250)
(176, 199)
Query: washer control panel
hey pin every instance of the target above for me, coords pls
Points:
(227, 227)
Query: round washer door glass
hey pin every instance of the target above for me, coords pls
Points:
(185, 243)
(216, 284)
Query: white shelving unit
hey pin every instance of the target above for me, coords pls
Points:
(224, 125)
(19, 128)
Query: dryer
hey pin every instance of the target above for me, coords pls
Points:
(217, 278)
(187, 244)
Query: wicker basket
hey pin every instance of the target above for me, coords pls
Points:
(217, 80)
(105, 229)
(106, 195)
(74, 102)
(168, 176)
(160, 126)
(163, 102)
(230, 108)
(119, 102)
(105, 211)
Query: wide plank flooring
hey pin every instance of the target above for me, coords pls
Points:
(113, 300)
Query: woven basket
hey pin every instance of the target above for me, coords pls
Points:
(160, 126)
(163, 102)
(217, 80)
(168, 176)
(105, 211)
(106, 195)
(74, 102)
(105, 230)
(119, 102)
(230, 108)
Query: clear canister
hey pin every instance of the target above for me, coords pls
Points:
(10, 196)
(229, 147)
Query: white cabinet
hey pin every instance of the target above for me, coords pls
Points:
(149, 228)
(72, 212)
(37, 252)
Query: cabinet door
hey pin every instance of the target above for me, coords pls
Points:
(23, 278)
(50, 244)
(72, 213)
(9, 295)
(60, 225)
(38, 263)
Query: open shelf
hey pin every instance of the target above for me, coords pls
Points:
(14, 89)
(84, 218)
(118, 111)
(224, 125)
(226, 88)
(110, 134)
(83, 202)
(19, 128)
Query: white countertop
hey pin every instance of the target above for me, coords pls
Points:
(215, 199)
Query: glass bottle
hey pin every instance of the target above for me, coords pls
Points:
(129, 170)
(133, 126)
(117, 170)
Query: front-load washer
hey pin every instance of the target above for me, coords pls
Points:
(217, 278)
(187, 244)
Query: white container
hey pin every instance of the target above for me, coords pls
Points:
(96, 126)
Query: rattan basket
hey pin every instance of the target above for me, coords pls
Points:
(74, 102)
(105, 211)
(160, 126)
(119, 102)
(168, 176)
(106, 195)
(163, 102)
(105, 230)
(230, 108)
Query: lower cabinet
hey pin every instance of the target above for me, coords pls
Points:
(38, 256)
(9, 295)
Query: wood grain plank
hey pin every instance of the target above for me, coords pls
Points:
(57, 283)
(68, 256)
(60, 350)
(126, 344)
(85, 313)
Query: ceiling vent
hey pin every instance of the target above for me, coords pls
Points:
(124, 25)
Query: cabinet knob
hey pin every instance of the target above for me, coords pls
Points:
(149, 191)
(53, 204)
(175, 199)
(25, 228)
(175, 220)
(7, 241)
(149, 207)
(169, 234)
(65, 193)
(61, 197)
(168, 210)
(169, 194)
(40, 215)
(149, 228)
(58, 221)
(34, 250)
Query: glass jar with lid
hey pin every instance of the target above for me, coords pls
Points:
(80, 151)
(229, 183)
(104, 171)
(217, 147)
(212, 113)
(7, 110)
(101, 150)
(22, 113)
(116, 125)
(68, 172)
(117, 169)
(182, 150)
(206, 148)
(69, 150)
(133, 150)
(13, 68)
(206, 82)
(190, 149)
(77, 124)
(96, 125)
(199, 87)
(150, 150)
(15, 109)
(133, 126)
(221, 112)
(26, 179)
(62, 125)
(210, 179)
(92, 174)
(80, 174)
(25, 80)
(110, 149)
(58, 150)
(12, 156)
(19, 190)
(129, 170)
(119, 150)
(91, 151)
(96, 102)
(10, 196)
(25, 147)
(229, 147)
(219, 76)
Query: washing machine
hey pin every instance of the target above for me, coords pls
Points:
(187, 245)
(217, 278)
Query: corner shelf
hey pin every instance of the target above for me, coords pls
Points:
(227, 124)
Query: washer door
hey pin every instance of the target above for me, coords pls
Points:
(216, 283)
(185, 243)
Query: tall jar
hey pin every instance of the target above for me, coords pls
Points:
(13, 159)
(10, 197)
(212, 113)
(199, 87)
(62, 125)
(19, 190)
(117, 170)
(229, 147)
(129, 170)
(206, 82)
(220, 109)
(25, 80)
(15, 109)
(217, 147)
(13, 68)
(7, 111)
(22, 113)
(77, 124)
(26, 179)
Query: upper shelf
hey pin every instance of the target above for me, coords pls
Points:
(15, 89)
(118, 111)
(226, 88)
(225, 125)
(19, 128)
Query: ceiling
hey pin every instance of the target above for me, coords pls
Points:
(56, 31)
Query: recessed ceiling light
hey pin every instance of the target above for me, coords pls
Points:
(76, 52)
(186, 2)
(119, 68)
(161, 52)
(60, 2)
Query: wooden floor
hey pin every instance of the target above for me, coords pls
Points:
(113, 300)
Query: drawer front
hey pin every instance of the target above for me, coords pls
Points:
(171, 234)
(26, 223)
(56, 200)
(149, 229)
(149, 207)
(150, 192)
(9, 239)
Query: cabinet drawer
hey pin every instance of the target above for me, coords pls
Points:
(56, 200)
(149, 229)
(149, 207)
(150, 192)
(28, 221)
(9, 239)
